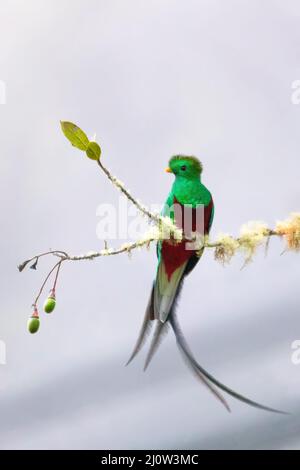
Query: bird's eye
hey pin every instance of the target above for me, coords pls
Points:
(183, 167)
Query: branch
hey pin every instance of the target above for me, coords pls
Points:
(118, 184)
(253, 234)
(225, 246)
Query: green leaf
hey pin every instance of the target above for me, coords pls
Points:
(93, 151)
(75, 135)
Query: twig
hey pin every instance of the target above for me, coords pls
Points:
(37, 257)
(129, 247)
(57, 265)
(121, 187)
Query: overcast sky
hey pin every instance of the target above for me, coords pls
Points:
(151, 78)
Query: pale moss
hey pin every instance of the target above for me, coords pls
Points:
(290, 230)
(226, 248)
(125, 246)
(118, 183)
(253, 234)
(91, 254)
(168, 230)
(152, 234)
(106, 252)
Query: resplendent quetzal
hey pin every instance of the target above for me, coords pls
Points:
(175, 261)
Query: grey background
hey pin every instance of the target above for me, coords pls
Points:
(212, 78)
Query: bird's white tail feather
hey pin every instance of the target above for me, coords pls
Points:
(165, 290)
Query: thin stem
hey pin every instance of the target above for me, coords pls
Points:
(56, 276)
(118, 184)
(110, 252)
(61, 254)
(45, 281)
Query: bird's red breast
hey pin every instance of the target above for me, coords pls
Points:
(175, 254)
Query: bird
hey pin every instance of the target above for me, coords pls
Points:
(190, 206)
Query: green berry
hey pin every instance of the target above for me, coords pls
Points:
(33, 324)
(49, 305)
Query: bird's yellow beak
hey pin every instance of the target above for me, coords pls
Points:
(168, 170)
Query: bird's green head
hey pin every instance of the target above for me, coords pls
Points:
(185, 166)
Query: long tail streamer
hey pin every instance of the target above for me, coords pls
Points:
(181, 342)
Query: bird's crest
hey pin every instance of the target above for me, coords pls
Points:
(190, 158)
